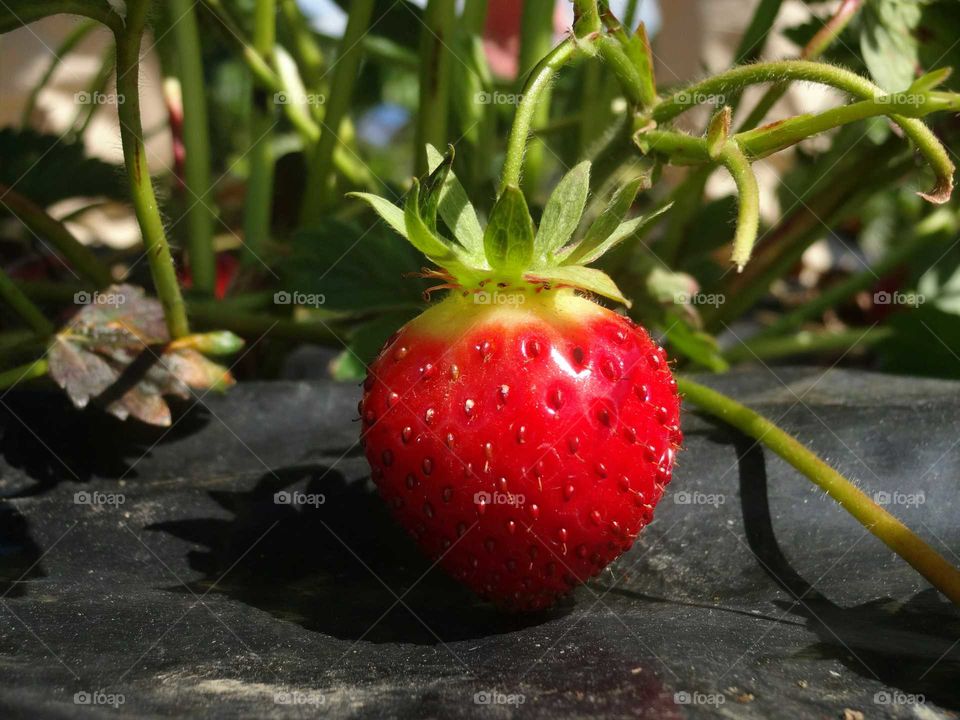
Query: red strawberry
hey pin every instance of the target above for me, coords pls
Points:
(522, 437)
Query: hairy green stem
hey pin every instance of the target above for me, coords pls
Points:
(196, 141)
(748, 199)
(536, 39)
(23, 306)
(79, 256)
(30, 371)
(138, 172)
(805, 343)
(259, 201)
(349, 52)
(859, 87)
(769, 139)
(537, 83)
(893, 533)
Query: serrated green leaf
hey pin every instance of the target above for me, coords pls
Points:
(624, 230)
(578, 276)
(456, 210)
(508, 239)
(605, 224)
(422, 237)
(391, 214)
(563, 210)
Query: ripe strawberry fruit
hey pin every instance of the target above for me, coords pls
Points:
(520, 432)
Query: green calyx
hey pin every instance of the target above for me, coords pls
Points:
(510, 252)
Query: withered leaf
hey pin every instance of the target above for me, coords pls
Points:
(115, 352)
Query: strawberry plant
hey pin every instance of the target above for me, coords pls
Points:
(523, 420)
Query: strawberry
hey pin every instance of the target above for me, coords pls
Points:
(520, 432)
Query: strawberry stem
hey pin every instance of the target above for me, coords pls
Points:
(894, 534)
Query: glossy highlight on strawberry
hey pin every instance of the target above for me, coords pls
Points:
(524, 448)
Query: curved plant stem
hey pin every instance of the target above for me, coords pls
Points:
(39, 222)
(806, 343)
(893, 533)
(30, 371)
(824, 38)
(349, 51)
(748, 199)
(536, 85)
(804, 70)
(305, 47)
(259, 201)
(138, 172)
(70, 42)
(23, 306)
(196, 140)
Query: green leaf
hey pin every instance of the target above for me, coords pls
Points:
(563, 210)
(438, 249)
(385, 209)
(350, 268)
(605, 224)
(888, 42)
(456, 210)
(578, 276)
(508, 239)
(624, 231)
